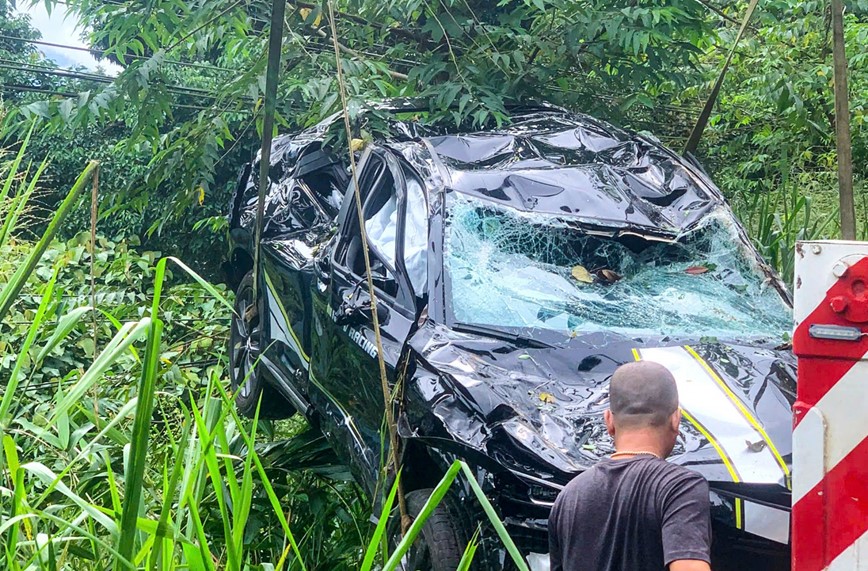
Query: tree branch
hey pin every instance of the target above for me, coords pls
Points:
(398, 31)
(718, 11)
(349, 51)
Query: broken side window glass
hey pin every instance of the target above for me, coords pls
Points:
(380, 213)
(416, 234)
(324, 174)
(530, 270)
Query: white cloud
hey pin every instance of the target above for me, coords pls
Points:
(61, 27)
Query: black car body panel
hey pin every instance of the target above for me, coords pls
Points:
(516, 382)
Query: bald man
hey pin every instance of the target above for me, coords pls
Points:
(634, 511)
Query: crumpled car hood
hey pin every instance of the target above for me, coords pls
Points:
(539, 409)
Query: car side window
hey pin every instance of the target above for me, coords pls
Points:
(380, 213)
(416, 234)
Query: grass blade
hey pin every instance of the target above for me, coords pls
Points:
(139, 445)
(66, 324)
(19, 203)
(213, 469)
(11, 386)
(16, 164)
(203, 282)
(263, 476)
(128, 334)
(170, 488)
(469, 553)
(377, 537)
(201, 558)
(416, 527)
(495, 520)
(50, 478)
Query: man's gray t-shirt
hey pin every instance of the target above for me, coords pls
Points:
(635, 514)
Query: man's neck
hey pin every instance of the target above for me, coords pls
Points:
(640, 441)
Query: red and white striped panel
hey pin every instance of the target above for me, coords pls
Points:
(830, 437)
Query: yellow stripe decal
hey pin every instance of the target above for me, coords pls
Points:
(709, 400)
(740, 405)
(739, 507)
(336, 402)
(726, 461)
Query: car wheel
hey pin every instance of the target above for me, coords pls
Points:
(247, 376)
(440, 546)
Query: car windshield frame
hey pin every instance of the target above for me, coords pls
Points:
(766, 279)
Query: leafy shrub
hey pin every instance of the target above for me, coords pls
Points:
(197, 327)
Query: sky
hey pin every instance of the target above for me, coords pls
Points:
(62, 28)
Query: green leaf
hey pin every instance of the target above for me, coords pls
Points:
(377, 537)
(139, 446)
(50, 478)
(11, 289)
(66, 324)
(128, 334)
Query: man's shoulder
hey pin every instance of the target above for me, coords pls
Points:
(585, 476)
(679, 472)
(675, 481)
(580, 484)
(660, 469)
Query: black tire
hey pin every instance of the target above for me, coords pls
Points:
(248, 378)
(441, 544)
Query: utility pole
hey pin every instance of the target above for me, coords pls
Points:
(842, 125)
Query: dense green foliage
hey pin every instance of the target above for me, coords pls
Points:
(778, 102)
(184, 112)
(770, 145)
(70, 359)
(130, 207)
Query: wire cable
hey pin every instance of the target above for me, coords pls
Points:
(101, 53)
(30, 89)
(38, 68)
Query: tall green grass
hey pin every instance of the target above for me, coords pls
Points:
(89, 480)
(777, 216)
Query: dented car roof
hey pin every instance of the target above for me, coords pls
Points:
(538, 161)
(541, 159)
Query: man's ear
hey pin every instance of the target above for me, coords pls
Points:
(610, 422)
(675, 419)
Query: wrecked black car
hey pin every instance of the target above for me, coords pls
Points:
(515, 269)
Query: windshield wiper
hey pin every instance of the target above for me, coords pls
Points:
(505, 335)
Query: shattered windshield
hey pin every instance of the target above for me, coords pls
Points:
(519, 270)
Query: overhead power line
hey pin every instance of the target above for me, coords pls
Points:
(13, 87)
(101, 53)
(37, 68)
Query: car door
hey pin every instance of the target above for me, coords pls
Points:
(345, 368)
(298, 218)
